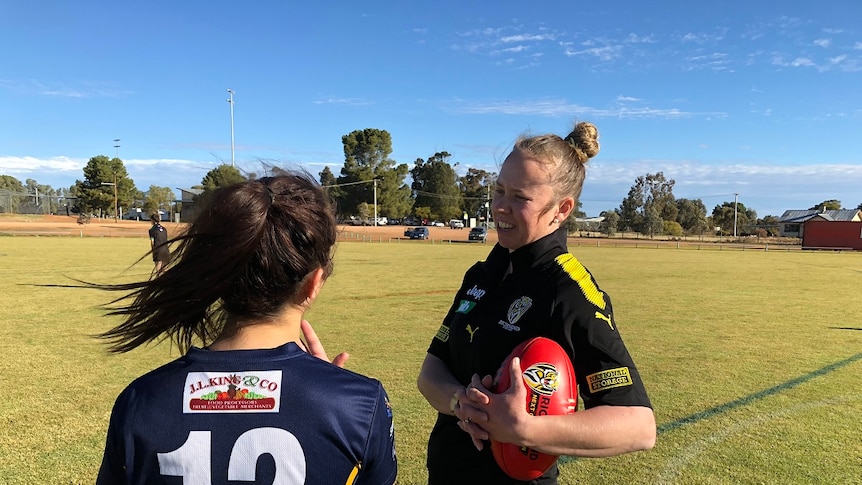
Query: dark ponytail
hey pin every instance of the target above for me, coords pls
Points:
(243, 258)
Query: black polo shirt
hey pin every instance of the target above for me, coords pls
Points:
(547, 293)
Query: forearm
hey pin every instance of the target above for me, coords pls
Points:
(598, 432)
(437, 384)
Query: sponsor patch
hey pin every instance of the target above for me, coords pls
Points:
(609, 379)
(442, 333)
(465, 306)
(232, 392)
(476, 292)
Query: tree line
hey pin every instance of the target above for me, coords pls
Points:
(371, 183)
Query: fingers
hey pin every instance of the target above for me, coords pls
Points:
(313, 346)
(515, 374)
(477, 391)
(341, 359)
(312, 342)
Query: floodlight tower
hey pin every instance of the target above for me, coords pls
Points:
(230, 101)
(117, 146)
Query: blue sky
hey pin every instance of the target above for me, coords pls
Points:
(762, 99)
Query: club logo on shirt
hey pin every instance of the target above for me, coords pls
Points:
(542, 378)
(518, 308)
(232, 392)
(475, 292)
(465, 306)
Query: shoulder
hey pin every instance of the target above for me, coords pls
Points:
(574, 278)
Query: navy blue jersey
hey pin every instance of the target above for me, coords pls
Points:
(277, 416)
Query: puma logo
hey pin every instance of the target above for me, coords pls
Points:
(472, 331)
(607, 319)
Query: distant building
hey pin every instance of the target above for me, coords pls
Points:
(187, 198)
(834, 235)
(792, 222)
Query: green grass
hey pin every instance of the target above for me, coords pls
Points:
(752, 359)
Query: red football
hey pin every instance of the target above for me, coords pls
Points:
(549, 378)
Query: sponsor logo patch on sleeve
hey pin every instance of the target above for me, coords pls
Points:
(443, 333)
(609, 379)
(232, 392)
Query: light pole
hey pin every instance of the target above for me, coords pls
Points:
(230, 101)
(735, 195)
(117, 146)
(115, 195)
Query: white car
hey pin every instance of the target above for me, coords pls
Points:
(456, 224)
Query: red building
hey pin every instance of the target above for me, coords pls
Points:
(825, 234)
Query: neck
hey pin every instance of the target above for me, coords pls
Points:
(263, 334)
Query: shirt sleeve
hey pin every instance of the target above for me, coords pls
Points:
(381, 465)
(604, 369)
(440, 343)
(113, 469)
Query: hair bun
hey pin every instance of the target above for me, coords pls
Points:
(585, 138)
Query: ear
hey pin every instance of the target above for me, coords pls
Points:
(565, 208)
(313, 285)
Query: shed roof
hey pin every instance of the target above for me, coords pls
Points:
(798, 216)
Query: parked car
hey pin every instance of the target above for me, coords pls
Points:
(456, 224)
(438, 224)
(478, 234)
(417, 233)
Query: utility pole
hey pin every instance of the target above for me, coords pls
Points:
(230, 101)
(375, 202)
(735, 196)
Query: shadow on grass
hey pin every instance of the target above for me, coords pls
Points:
(708, 413)
(723, 408)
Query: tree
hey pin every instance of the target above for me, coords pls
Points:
(770, 225)
(476, 187)
(723, 217)
(827, 205)
(859, 207)
(158, 197)
(653, 223)
(366, 157)
(101, 177)
(222, 176)
(691, 216)
(330, 185)
(10, 188)
(649, 202)
(435, 186)
(672, 228)
(609, 224)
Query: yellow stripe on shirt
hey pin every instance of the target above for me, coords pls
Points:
(582, 277)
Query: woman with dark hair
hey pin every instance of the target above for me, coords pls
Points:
(253, 402)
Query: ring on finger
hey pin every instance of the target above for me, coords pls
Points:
(467, 420)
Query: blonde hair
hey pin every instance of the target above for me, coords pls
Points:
(566, 157)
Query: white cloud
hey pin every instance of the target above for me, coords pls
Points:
(822, 42)
(606, 53)
(345, 101)
(562, 108)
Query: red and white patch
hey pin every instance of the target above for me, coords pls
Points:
(232, 392)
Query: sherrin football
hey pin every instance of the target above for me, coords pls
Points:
(549, 378)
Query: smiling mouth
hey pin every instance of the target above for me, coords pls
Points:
(504, 225)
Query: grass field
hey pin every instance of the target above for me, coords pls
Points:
(753, 359)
